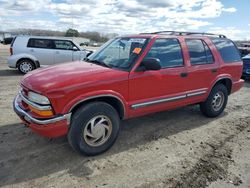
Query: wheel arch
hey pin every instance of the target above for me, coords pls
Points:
(34, 61)
(226, 81)
(112, 100)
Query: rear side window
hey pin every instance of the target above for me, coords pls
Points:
(168, 51)
(40, 43)
(227, 49)
(199, 52)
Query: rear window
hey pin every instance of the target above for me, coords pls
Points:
(40, 43)
(12, 42)
(227, 49)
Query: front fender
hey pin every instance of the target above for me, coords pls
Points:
(94, 95)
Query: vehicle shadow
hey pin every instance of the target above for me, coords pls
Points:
(10, 72)
(27, 156)
(247, 83)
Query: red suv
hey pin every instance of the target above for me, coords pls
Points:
(127, 77)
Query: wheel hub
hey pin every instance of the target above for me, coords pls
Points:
(25, 67)
(97, 130)
(218, 101)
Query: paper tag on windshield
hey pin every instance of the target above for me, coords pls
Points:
(137, 50)
(138, 40)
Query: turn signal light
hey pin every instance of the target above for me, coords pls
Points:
(41, 112)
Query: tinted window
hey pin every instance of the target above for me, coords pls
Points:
(40, 43)
(247, 61)
(168, 51)
(227, 49)
(199, 52)
(63, 45)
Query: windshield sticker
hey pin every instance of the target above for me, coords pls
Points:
(138, 40)
(137, 50)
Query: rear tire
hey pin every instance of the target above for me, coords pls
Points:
(94, 128)
(216, 101)
(24, 66)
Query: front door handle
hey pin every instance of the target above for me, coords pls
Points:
(214, 70)
(184, 74)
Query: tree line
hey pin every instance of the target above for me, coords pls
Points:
(92, 35)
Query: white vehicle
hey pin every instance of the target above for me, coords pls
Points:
(31, 52)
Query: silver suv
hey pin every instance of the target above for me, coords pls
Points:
(31, 52)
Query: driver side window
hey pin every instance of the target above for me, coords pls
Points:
(168, 51)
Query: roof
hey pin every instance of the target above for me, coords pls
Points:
(176, 34)
(185, 33)
(46, 37)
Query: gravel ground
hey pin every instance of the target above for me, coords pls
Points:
(179, 148)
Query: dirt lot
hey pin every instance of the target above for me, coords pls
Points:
(180, 148)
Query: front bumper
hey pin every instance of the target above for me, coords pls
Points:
(52, 127)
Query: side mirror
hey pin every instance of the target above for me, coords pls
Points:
(75, 48)
(149, 64)
(89, 53)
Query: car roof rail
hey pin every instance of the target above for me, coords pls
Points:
(186, 33)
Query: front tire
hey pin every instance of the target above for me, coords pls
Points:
(94, 128)
(216, 101)
(25, 66)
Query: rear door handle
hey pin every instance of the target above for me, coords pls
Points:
(184, 74)
(32, 50)
(214, 70)
(57, 52)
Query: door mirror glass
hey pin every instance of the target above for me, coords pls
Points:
(149, 64)
(75, 48)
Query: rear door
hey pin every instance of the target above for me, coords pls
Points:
(63, 51)
(203, 67)
(42, 50)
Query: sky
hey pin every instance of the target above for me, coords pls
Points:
(229, 17)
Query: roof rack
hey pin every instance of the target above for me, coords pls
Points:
(186, 33)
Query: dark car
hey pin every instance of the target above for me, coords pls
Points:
(7, 40)
(246, 66)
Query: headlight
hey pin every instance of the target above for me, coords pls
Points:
(37, 98)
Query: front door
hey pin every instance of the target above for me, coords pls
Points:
(151, 91)
(63, 51)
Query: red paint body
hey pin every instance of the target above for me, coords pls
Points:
(67, 84)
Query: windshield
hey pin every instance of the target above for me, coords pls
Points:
(119, 53)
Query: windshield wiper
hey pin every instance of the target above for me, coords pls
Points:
(97, 62)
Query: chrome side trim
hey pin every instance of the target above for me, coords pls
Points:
(169, 99)
(140, 105)
(30, 119)
(196, 93)
(39, 107)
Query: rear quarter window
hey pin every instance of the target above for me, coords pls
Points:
(227, 49)
(40, 43)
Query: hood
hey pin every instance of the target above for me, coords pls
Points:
(54, 78)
